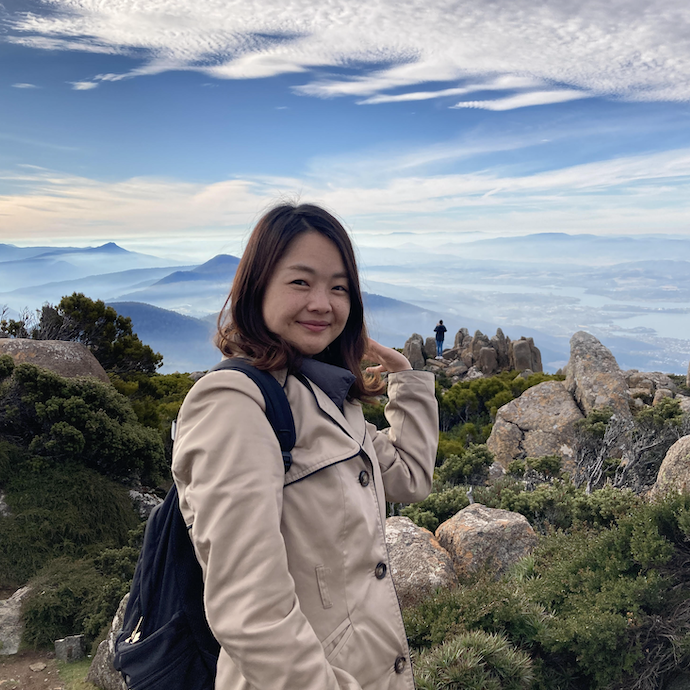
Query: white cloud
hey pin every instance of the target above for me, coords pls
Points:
(524, 100)
(626, 49)
(83, 85)
(24, 86)
(637, 194)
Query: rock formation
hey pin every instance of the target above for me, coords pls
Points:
(419, 565)
(11, 626)
(674, 473)
(474, 356)
(64, 357)
(540, 422)
(414, 351)
(594, 378)
(102, 673)
(478, 536)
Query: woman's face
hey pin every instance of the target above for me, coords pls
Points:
(307, 300)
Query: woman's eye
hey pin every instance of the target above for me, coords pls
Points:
(342, 288)
(299, 281)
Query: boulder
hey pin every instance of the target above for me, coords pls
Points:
(540, 422)
(594, 378)
(479, 341)
(674, 473)
(419, 565)
(487, 362)
(69, 649)
(460, 368)
(478, 537)
(473, 373)
(501, 344)
(11, 626)
(430, 347)
(660, 394)
(462, 338)
(64, 357)
(524, 354)
(102, 673)
(414, 351)
(684, 402)
(144, 502)
(687, 378)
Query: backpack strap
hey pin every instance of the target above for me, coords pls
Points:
(278, 411)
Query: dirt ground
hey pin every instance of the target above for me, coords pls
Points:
(16, 672)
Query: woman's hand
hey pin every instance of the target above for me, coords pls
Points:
(390, 360)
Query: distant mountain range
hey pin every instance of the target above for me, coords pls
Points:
(632, 293)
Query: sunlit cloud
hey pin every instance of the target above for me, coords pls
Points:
(639, 194)
(24, 86)
(625, 49)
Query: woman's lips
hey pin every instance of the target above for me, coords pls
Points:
(314, 326)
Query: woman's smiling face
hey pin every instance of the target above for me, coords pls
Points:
(307, 300)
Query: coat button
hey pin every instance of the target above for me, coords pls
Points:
(400, 663)
(364, 478)
(380, 571)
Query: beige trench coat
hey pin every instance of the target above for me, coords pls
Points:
(297, 586)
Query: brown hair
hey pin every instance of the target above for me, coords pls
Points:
(241, 326)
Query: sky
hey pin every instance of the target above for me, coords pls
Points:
(169, 126)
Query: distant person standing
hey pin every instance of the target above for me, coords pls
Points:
(440, 331)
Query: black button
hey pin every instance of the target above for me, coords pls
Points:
(400, 663)
(380, 571)
(364, 478)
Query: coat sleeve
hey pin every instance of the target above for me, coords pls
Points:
(229, 472)
(406, 451)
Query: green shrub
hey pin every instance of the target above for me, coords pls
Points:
(437, 507)
(81, 420)
(479, 603)
(474, 661)
(373, 413)
(471, 465)
(6, 366)
(60, 511)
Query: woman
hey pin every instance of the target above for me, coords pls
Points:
(297, 586)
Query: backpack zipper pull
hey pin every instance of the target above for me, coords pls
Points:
(136, 633)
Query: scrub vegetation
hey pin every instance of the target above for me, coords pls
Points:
(603, 603)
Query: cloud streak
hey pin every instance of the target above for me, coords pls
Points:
(639, 194)
(623, 49)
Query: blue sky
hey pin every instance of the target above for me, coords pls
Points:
(169, 126)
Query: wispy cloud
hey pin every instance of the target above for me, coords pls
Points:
(624, 49)
(25, 86)
(638, 194)
(523, 100)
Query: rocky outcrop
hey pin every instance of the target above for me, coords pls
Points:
(478, 536)
(102, 673)
(419, 565)
(540, 422)
(414, 351)
(474, 356)
(64, 357)
(674, 473)
(11, 626)
(523, 354)
(594, 378)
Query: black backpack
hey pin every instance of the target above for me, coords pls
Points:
(165, 642)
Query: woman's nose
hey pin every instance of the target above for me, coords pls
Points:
(320, 300)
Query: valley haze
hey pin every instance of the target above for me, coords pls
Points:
(633, 293)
